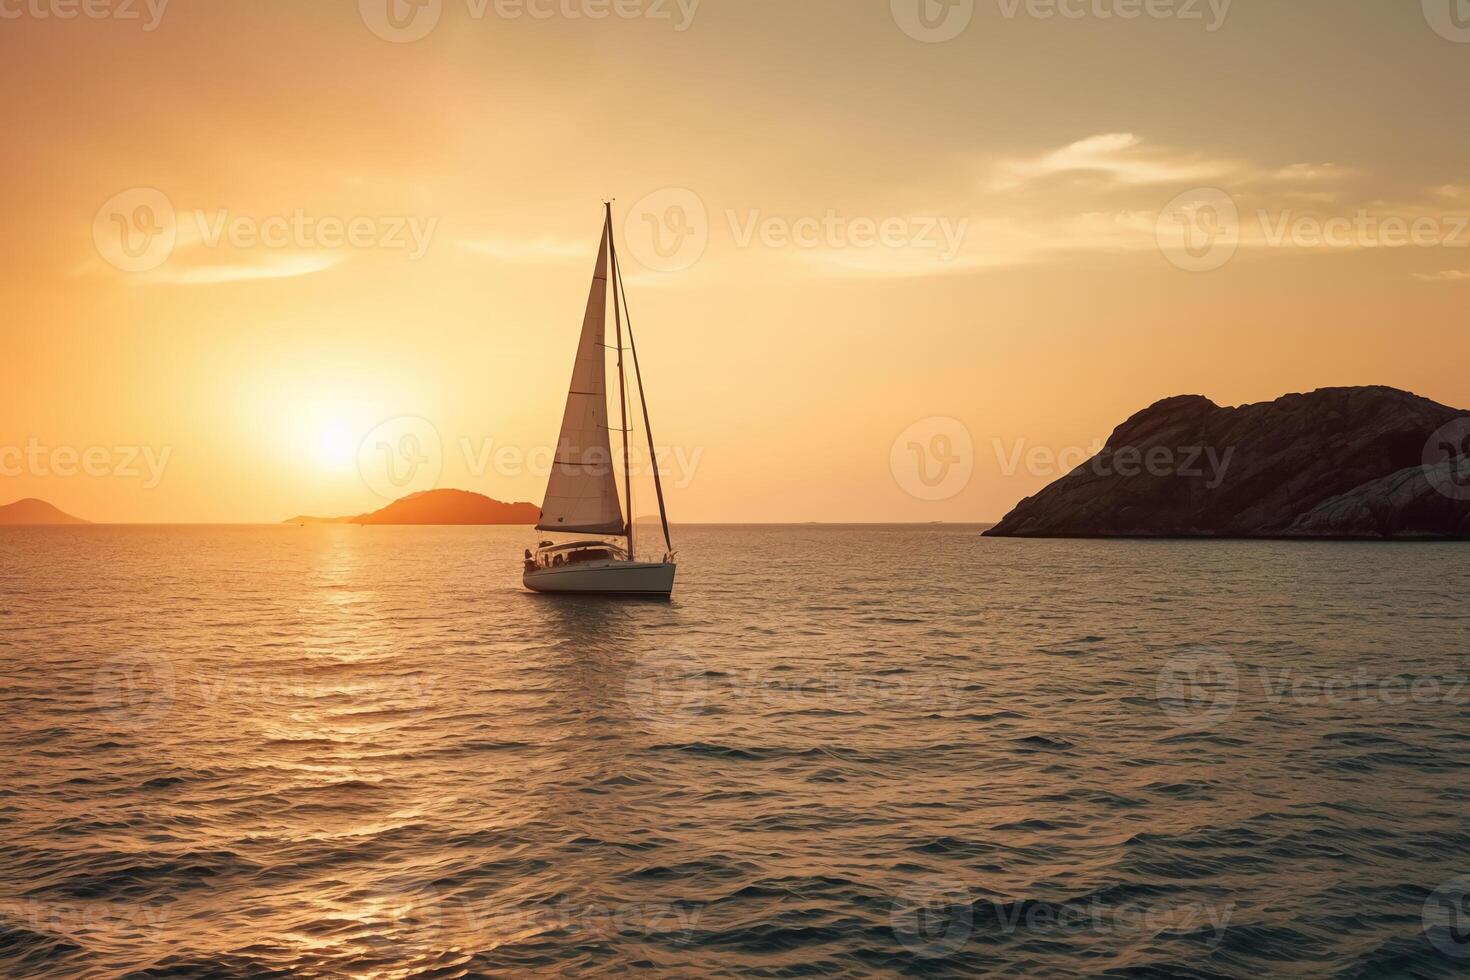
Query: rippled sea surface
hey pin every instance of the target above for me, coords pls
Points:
(327, 751)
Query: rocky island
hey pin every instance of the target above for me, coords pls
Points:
(33, 511)
(1355, 463)
(439, 507)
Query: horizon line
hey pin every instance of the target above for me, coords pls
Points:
(325, 523)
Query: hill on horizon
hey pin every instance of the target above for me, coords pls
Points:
(34, 511)
(439, 507)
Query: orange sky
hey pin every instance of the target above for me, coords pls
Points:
(880, 229)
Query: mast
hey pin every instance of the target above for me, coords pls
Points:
(613, 274)
(619, 290)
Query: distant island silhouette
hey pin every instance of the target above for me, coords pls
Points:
(33, 511)
(439, 507)
(1351, 463)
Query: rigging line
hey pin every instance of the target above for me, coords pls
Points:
(658, 483)
(613, 274)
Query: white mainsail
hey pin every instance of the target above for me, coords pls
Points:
(582, 494)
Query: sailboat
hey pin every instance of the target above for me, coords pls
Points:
(582, 493)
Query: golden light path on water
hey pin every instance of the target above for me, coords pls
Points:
(341, 751)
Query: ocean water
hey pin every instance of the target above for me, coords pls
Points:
(839, 751)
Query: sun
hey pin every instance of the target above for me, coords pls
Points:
(335, 447)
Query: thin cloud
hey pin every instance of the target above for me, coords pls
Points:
(273, 267)
(543, 249)
(1313, 173)
(1098, 195)
(1122, 158)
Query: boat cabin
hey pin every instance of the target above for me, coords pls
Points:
(550, 555)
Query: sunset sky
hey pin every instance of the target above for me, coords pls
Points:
(860, 226)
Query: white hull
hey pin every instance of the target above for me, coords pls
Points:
(604, 578)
